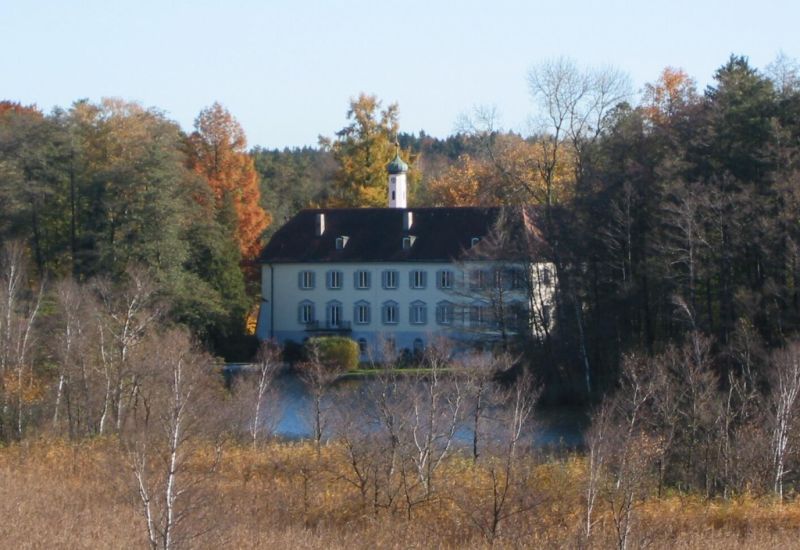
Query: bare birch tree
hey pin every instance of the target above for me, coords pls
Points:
(435, 406)
(74, 345)
(621, 453)
(318, 376)
(783, 403)
(267, 364)
(19, 311)
(480, 370)
(128, 311)
(504, 485)
(175, 385)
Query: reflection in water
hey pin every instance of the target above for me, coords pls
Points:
(292, 405)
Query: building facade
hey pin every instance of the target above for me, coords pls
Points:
(399, 276)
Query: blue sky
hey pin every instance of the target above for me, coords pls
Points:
(287, 69)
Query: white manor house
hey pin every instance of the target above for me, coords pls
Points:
(400, 276)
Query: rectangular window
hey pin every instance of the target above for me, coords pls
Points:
(362, 279)
(390, 279)
(334, 315)
(418, 314)
(306, 280)
(306, 313)
(390, 316)
(546, 276)
(497, 278)
(362, 314)
(417, 278)
(444, 313)
(445, 279)
(334, 279)
(477, 279)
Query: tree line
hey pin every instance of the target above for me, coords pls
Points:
(98, 189)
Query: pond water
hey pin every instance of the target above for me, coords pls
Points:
(289, 409)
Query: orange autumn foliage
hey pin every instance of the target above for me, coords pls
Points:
(662, 99)
(511, 175)
(18, 108)
(218, 152)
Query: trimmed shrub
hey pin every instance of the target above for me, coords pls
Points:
(336, 351)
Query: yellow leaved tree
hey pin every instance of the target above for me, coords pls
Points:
(362, 150)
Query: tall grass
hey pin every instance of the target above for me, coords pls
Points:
(55, 494)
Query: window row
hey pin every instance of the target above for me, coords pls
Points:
(362, 313)
(507, 278)
(447, 313)
(390, 279)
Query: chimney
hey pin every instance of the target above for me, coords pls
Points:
(320, 229)
(408, 220)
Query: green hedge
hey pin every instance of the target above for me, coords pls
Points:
(337, 351)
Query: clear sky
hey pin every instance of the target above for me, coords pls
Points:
(287, 69)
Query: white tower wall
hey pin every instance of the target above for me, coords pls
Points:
(397, 191)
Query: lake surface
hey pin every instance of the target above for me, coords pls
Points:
(288, 412)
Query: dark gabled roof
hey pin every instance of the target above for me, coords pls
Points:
(376, 234)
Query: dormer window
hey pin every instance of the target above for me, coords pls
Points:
(341, 242)
(408, 242)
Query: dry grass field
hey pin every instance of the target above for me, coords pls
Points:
(60, 495)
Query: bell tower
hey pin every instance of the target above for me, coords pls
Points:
(398, 192)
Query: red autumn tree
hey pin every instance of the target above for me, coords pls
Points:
(218, 153)
(15, 107)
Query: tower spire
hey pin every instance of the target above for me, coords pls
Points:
(397, 179)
